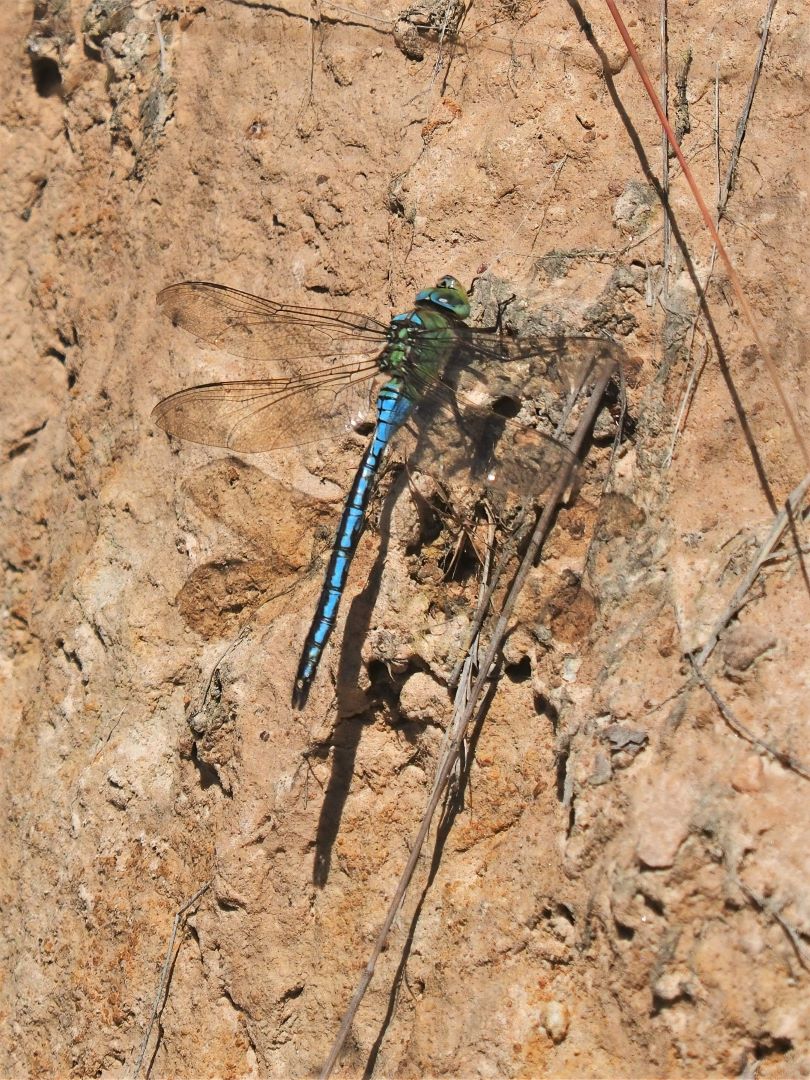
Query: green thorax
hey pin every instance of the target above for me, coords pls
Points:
(422, 341)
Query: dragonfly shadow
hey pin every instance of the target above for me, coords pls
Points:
(347, 734)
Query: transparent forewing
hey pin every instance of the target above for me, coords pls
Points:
(250, 326)
(268, 414)
(466, 434)
(565, 363)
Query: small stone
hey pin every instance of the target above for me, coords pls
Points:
(748, 774)
(624, 737)
(423, 701)
(571, 666)
(632, 209)
(671, 986)
(556, 1019)
(602, 771)
(743, 645)
(787, 1024)
(665, 815)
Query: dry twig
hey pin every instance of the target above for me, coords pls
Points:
(733, 276)
(781, 522)
(767, 905)
(742, 123)
(157, 1007)
(736, 725)
(663, 44)
(722, 200)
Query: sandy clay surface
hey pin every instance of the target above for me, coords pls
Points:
(624, 890)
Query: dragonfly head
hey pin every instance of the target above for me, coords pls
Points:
(447, 294)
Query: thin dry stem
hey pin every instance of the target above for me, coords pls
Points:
(161, 45)
(692, 376)
(663, 36)
(738, 727)
(742, 123)
(716, 135)
(159, 1001)
(521, 530)
(768, 906)
(470, 663)
(733, 276)
(781, 521)
(722, 201)
(549, 183)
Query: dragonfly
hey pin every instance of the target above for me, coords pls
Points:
(451, 386)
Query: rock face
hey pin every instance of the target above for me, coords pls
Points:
(624, 890)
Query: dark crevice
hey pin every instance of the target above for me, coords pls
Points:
(208, 774)
(91, 52)
(774, 1045)
(46, 75)
(236, 608)
(506, 406)
(225, 903)
(239, 1008)
(563, 911)
(35, 198)
(653, 904)
(572, 819)
(384, 688)
(25, 441)
(69, 654)
(460, 563)
(661, 1004)
(544, 707)
(519, 672)
(561, 770)
(378, 673)
(105, 644)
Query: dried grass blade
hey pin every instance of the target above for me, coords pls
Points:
(770, 365)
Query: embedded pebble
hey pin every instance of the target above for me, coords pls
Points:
(556, 1019)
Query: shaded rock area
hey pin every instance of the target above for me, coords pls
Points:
(623, 892)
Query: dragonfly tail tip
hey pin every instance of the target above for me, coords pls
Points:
(300, 693)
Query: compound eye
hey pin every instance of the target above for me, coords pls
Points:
(447, 295)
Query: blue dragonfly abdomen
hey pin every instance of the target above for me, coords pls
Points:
(393, 409)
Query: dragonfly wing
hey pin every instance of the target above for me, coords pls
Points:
(466, 434)
(559, 362)
(250, 326)
(268, 414)
(474, 447)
